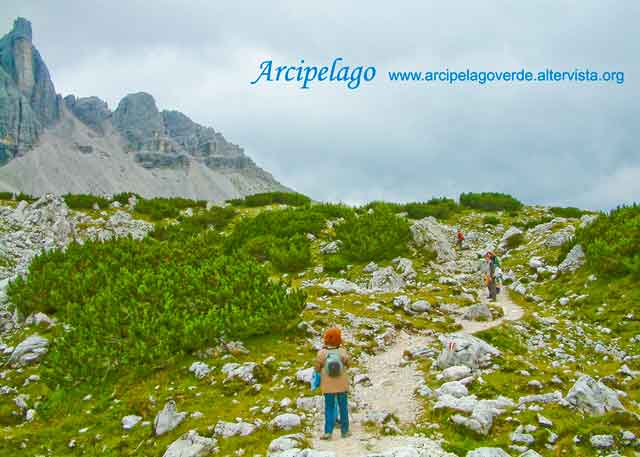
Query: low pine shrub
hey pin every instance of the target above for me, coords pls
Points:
(134, 304)
(568, 212)
(271, 198)
(266, 236)
(379, 235)
(440, 208)
(490, 220)
(335, 263)
(123, 197)
(17, 197)
(290, 255)
(162, 208)
(612, 242)
(84, 201)
(490, 201)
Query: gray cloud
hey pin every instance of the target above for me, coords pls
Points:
(555, 143)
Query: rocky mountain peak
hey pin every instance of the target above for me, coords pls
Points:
(135, 136)
(22, 29)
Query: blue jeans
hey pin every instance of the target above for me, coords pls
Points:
(330, 412)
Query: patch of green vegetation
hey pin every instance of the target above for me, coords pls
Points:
(440, 208)
(272, 198)
(490, 220)
(85, 201)
(335, 263)
(376, 235)
(568, 212)
(131, 304)
(612, 242)
(162, 208)
(279, 236)
(17, 197)
(490, 201)
(123, 197)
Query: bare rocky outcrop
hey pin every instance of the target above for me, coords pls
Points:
(428, 233)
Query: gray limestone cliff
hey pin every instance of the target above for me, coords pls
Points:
(28, 100)
(78, 144)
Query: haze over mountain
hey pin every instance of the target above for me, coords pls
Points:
(51, 144)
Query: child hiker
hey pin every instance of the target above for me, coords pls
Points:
(332, 362)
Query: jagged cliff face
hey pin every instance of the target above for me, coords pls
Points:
(28, 100)
(51, 145)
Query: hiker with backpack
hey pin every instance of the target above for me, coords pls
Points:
(460, 238)
(492, 282)
(332, 363)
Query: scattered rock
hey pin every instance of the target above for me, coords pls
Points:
(467, 350)
(286, 421)
(29, 350)
(191, 445)
(478, 312)
(200, 369)
(574, 260)
(227, 429)
(593, 397)
(128, 422)
(168, 419)
(602, 441)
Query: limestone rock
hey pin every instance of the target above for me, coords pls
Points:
(386, 280)
(227, 429)
(168, 418)
(191, 445)
(467, 350)
(128, 422)
(429, 233)
(593, 397)
(574, 260)
(29, 350)
(286, 421)
(477, 312)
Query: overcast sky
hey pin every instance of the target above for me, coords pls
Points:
(554, 143)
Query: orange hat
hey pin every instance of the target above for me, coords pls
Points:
(333, 337)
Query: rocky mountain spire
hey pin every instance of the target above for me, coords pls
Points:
(27, 95)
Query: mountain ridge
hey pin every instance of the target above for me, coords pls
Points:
(153, 152)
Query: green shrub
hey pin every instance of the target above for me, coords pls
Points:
(265, 236)
(291, 255)
(216, 218)
(335, 263)
(133, 304)
(567, 212)
(123, 197)
(440, 208)
(490, 220)
(84, 201)
(17, 197)
(378, 205)
(271, 198)
(380, 235)
(162, 208)
(490, 201)
(612, 242)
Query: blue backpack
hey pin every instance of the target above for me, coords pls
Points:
(333, 364)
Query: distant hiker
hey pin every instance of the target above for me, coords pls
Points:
(332, 363)
(460, 238)
(494, 263)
